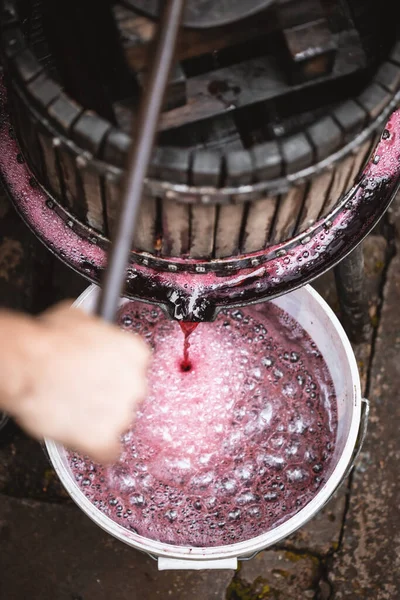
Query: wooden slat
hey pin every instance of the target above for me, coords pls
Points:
(145, 230)
(305, 65)
(72, 184)
(89, 132)
(297, 153)
(374, 99)
(267, 161)
(175, 222)
(112, 197)
(258, 224)
(93, 198)
(221, 133)
(388, 76)
(243, 84)
(26, 129)
(351, 117)
(315, 200)
(170, 164)
(345, 175)
(206, 168)
(288, 213)
(362, 157)
(239, 168)
(50, 161)
(32, 141)
(27, 65)
(229, 224)
(137, 33)
(146, 226)
(326, 137)
(18, 127)
(339, 184)
(175, 94)
(202, 228)
(64, 112)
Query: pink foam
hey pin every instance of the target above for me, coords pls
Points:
(233, 447)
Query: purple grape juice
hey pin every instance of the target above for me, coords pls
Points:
(229, 448)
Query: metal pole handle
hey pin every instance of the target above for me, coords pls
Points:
(139, 158)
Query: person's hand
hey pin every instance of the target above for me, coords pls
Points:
(72, 378)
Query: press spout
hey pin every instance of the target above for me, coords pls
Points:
(190, 308)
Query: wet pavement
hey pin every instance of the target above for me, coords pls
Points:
(51, 551)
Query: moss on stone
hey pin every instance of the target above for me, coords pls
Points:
(258, 590)
(294, 557)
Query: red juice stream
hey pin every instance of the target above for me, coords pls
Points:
(229, 449)
(187, 329)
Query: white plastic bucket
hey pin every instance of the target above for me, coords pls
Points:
(316, 317)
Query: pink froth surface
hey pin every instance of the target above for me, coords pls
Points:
(230, 449)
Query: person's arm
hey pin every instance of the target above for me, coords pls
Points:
(70, 377)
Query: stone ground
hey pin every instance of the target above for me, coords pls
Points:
(49, 550)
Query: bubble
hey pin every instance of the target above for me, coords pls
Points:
(229, 485)
(127, 320)
(205, 459)
(292, 449)
(297, 474)
(137, 500)
(254, 512)
(203, 480)
(297, 426)
(246, 498)
(211, 501)
(245, 472)
(289, 390)
(267, 413)
(317, 468)
(237, 315)
(274, 462)
(267, 362)
(234, 515)
(309, 456)
(270, 496)
(171, 515)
